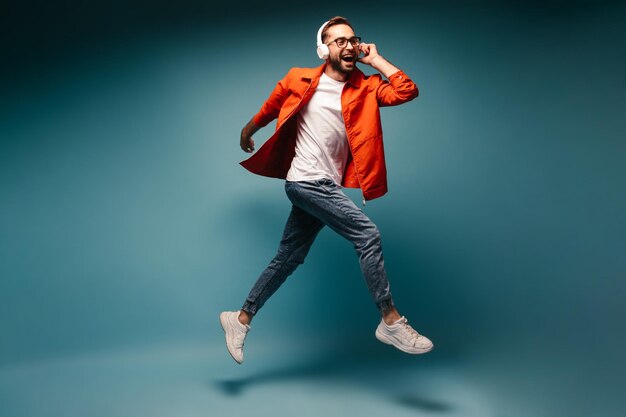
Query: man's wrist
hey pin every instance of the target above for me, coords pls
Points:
(249, 129)
(380, 64)
(377, 60)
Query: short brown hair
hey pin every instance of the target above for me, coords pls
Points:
(337, 20)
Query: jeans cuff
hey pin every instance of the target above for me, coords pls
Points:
(385, 304)
(250, 308)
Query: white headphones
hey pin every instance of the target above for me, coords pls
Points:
(322, 49)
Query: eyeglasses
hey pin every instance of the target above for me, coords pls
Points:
(343, 42)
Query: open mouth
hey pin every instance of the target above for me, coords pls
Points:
(349, 58)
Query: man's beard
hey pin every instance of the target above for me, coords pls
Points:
(335, 63)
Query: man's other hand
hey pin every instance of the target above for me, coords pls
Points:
(246, 143)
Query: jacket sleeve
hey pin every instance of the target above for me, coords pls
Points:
(399, 89)
(271, 108)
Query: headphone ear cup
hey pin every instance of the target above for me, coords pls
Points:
(322, 49)
(323, 52)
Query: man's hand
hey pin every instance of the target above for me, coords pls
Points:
(246, 142)
(375, 60)
(369, 52)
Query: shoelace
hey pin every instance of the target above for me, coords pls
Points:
(238, 342)
(410, 330)
(239, 339)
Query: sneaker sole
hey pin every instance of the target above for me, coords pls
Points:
(383, 338)
(222, 323)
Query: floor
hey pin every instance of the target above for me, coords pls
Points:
(200, 379)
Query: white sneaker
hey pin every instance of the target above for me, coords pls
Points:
(235, 332)
(403, 336)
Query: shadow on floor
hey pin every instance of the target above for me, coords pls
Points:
(423, 404)
(395, 382)
(309, 372)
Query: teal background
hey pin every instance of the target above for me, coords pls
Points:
(127, 225)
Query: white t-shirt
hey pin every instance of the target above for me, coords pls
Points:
(321, 142)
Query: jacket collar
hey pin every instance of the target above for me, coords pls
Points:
(315, 73)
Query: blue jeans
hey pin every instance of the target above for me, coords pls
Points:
(315, 204)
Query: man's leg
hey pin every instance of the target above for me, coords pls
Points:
(300, 232)
(326, 201)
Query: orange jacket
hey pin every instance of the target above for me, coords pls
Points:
(360, 101)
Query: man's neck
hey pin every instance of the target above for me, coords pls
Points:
(336, 75)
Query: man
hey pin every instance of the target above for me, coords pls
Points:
(328, 135)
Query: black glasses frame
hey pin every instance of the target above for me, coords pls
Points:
(342, 42)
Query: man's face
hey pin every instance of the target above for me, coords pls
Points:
(341, 59)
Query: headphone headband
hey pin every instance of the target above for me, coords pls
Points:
(319, 33)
